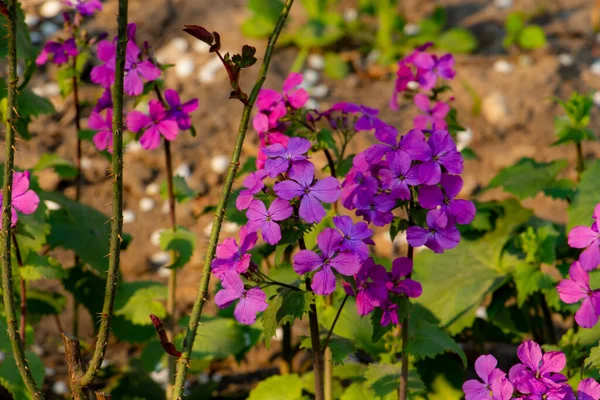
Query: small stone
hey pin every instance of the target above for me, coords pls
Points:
(481, 312)
(566, 60)
(311, 77)
(495, 108)
(146, 204)
(133, 147)
(180, 43)
(155, 237)
(207, 229)
(105, 363)
(184, 170)
(312, 104)
(163, 272)
(217, 377)
(51, 205)
(86, 163)
(184, 67)
(411, 29)
(50, 9)
(161, 377)
(350, 14)
(31, 20)
(230, 227)
(413, 85)
(60, 388)
(203, 378)
(48, 28)
(219, 164)
(596, 99)
(36, 37)
(503, 3)
(595, 67)
(128, 217)
(208, 72)
(200, 47)
(319, 91)
(464, 139)
(48, 371)
(165, 208)
(278, 335)
(316, 61)
(152, 189)
(39, 350)
(160, 259)
(525, 60)
(503, 67)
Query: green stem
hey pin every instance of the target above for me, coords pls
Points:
(117, 203)
(337, 316)
(78, 176)
(580, 167)
(313, 322)
(5, 234)
(201, 297)
(23, 287)
(403, 391)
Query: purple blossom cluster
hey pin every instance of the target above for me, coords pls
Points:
(576, 287)
(538, 376)
(87, 8)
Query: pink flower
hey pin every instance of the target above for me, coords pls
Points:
(24, 199)
(588, 238)
(485, 367)
(434, 114)
(576, 288)
(259, 218)
(251, 301)
(154, 126)
(233, 258)
(537, 368)
(103, 140)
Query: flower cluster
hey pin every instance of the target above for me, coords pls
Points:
(57, 52)
(24, 199)
(577, 286)
(87, 8)
(536, 377)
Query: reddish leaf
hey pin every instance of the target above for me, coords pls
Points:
(200, 33)
(162, 336)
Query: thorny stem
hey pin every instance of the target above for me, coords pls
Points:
(78, 176)
(23, 288)
(580, 167)
(403, 392)
(117, 202)
(9, 160)
(337, 316)
(201, 297)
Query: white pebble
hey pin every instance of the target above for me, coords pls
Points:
(47, 90)
(207, 229)
(230, 227)
(203, 378)
(36, 37)
(411, 29)
(463, 139)
(312, 104)
(503, 66)
(161, 377)
(400, 238)
(219, 164)
(31, 20)
(39, 350)
(311, 77)
(200, 47)
(86, 163)
(566, 60)
(51, 205)
(208, 72)
(413, 85)
(60, 388)
(316, 61)
(481, 312)
(373, 56)
(50, 8)
(503, 3)
(146, 204)
(217, 377)
(161, 259)
(49, 371)
(596, 99)
(595, 67)
(525, 60)
(155, 237)
(152, 189)
(184, 67)
(350, 14)
(184, 170)
(278, 335)
(105, 363)
(133, 147)
(319, 91)
(165, 208)
(180, 43)
(48, 28)
(163, 272)
(128, 216)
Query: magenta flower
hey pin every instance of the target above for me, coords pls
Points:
(502, 389)
(24, 199)
(259, 218)
(460, 211)
(345, 262)
(272, 108)
(154, 126)
(180, 112)
(251, 301)
(399, 176)
(295, 96)
(431, 67)
(253, 184)
(576, 288)
(267, 139)
(404, 75)
(434, 114)
(104, 102)
(87, 8)
(355, 237)
(441, 152)
(537, 390)
(137, 68)
(389, 313)
(104, 74)
(370, 286)
(368, 120)
(411, 143)
(103, 140)
(535, 367)
(441, 234)
(281, 158)
(398, 281)
(310, 192)
(357, 181)
(58, 53)
(588, 238)
(588, 389)
(485, 367)
(233, 258)
(375, 209)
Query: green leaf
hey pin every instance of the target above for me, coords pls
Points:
(30, 104)
(320, 32)
(45, 303)
(153, 356)
(33, 229)
(11, 379)
(37, 267)
(335, 66)
(527, 177)
(87, 288)
(562, 189)
(278, 387)
(357, 391)
(264, 17)
(25, 49)
(287, 306)
(64, 168)
(529, 279)
(182, 242)
(458, 280)
(127, 331)
(398, 225)
(585, 199)
(340, 348)
(181, 190)
(593, 360)
(218, 339)
(457, 40)
(515, 22)
(64, 78)
(136, 300)
(384, 380)
(532, 37)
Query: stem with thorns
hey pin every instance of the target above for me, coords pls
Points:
(5, 234)
(403, 390)
(201, 297)
(23, 288)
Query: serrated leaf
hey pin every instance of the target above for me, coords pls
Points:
(145, 298)
(384, 380)
(428, 340)
(287, 306)
(218, 338)
(279, 387)
(527, 177)
(64, 168)
(585, 199)
(563, 189)
(593, 360)
(182, 242)
(37, 267)
(398, 225)
(25, 48)
(181, 190)
(11, 379)
(340, 348)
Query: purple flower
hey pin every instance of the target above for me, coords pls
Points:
(281, 158)
(59, 53)
(24, 199)
(539, 391)
(404, 75)
(86, 8)
(431, 67)
(104, 102)
(370, 286)
(576, 288)
(272, 108)
(251, 301)
(180, 112)
(103, 140)
(411, 143)
(375, 209)
(355, 237)
(441, 234)
(441, 152)
(389, 313)
(460, 211)
(253, 184)
(137, 68)
(233, 258)
(588, 238)
(399, 283)
(485, 367)
(399, 176)
(535, 367)
(259, 218)
(357, 181)
(296, 97)
(368, 120)
(434, 115)
(311, 194)
(104, 74)
(588, 389)
(154, 126)
(502, 389)
(345, 262)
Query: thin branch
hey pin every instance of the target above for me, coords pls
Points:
(23, 289)
(74, 364)
(403, 391)
(337, 316)
(5, 234)
(201, 297)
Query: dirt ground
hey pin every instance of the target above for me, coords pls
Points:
(524, 127)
